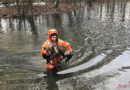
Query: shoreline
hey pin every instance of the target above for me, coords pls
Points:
(11, 11)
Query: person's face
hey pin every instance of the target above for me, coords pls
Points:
(53, 38)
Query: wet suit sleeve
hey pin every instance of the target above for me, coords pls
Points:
(43, 51)
(66, 44)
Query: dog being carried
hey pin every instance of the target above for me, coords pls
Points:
(57, 50)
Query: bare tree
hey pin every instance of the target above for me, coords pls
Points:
(57, 4)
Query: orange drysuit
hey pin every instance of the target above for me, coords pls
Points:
(59, 42)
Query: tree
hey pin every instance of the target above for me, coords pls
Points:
(57, 4)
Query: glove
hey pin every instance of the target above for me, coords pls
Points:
(46, 56)
(68, 58)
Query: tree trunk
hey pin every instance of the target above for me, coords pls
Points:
(57, 3)
(53, 1)
(18, 8)
(30, 2)
(23, 7)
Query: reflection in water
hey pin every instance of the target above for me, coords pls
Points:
(47, 82)
(99, 34)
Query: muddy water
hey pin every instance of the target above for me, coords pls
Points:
(99, 33)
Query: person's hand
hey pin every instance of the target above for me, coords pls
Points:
(67, 61)
(46, 56)
(68, 58)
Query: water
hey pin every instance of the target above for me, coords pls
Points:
(99, 34)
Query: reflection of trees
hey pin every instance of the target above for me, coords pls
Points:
(51, 82)
(124, 10)
(11, 26)
(33, 28)
(115, 9)
(108, 6)
(58, 26)
(112, 10)
(0, 24)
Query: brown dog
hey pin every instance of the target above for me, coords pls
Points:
(56, 50)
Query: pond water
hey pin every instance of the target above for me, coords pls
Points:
(99, 34)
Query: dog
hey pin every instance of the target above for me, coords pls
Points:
(56, 50)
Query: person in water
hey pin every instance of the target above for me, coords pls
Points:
(53, 39)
